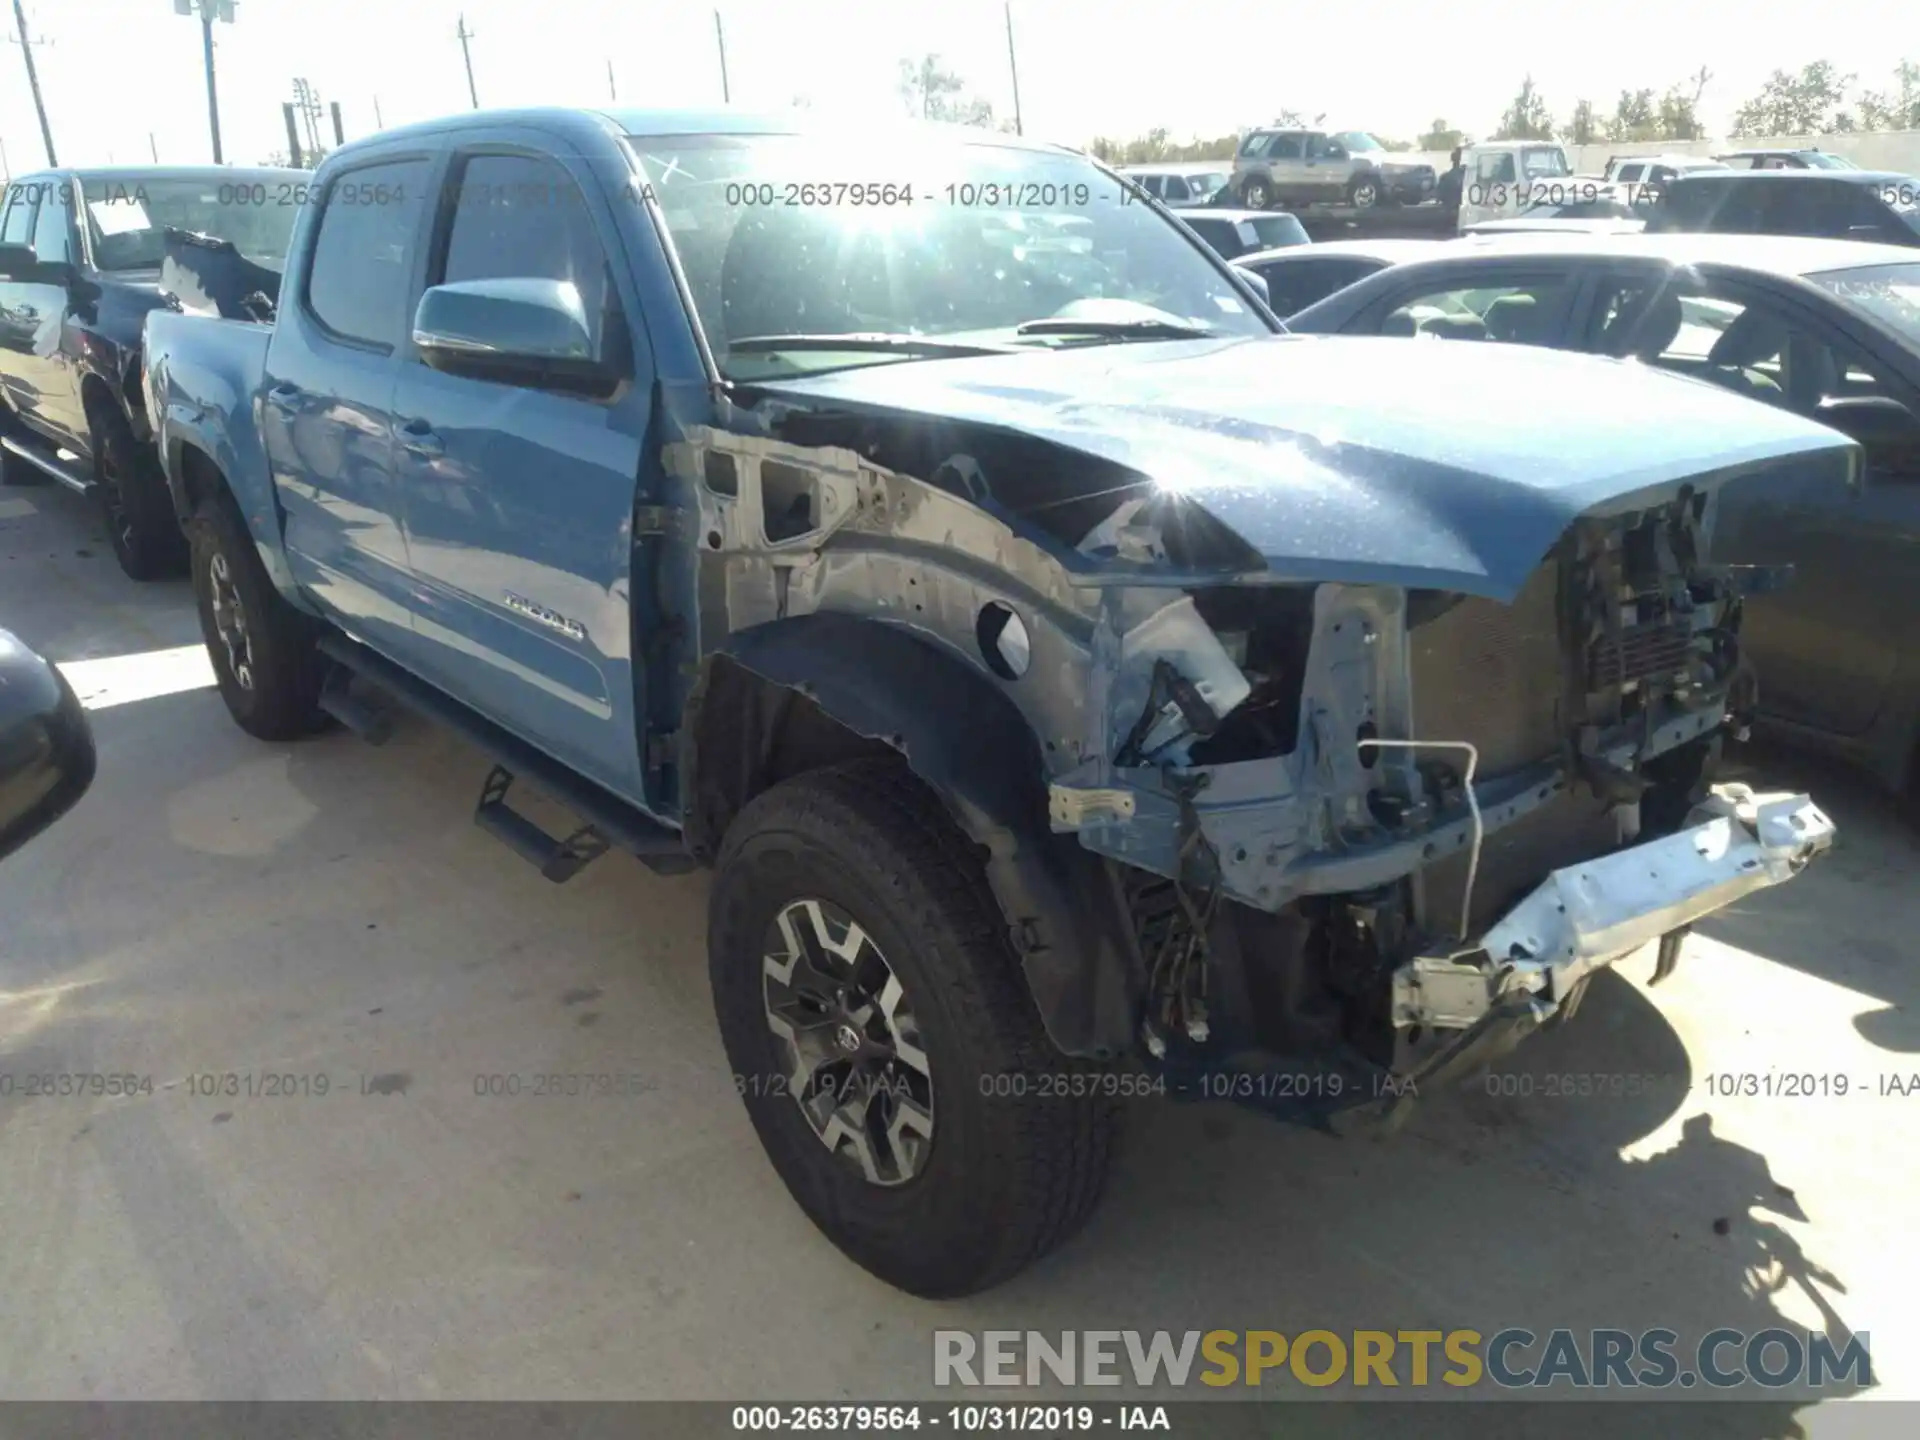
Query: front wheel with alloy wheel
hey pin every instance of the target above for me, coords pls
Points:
(883, 1040)
(1363, 193)
(1256, 194)
(263, 651)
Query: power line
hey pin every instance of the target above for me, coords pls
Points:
(726, 91)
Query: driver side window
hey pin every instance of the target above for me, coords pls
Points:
(53, 231)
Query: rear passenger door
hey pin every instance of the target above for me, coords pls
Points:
(326, 416)
(520, 501)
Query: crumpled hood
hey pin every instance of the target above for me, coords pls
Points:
(1439, 464)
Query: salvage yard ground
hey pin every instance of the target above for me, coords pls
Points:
(220, 907)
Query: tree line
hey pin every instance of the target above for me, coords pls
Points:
(1815, 100)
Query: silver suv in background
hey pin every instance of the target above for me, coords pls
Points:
(1314, 167)
(1180, 185)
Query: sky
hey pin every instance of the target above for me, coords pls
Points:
(115, 72)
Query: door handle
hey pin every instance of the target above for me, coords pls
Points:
(420, 438)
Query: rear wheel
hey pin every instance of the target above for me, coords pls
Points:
(1257, 194)
(134, 503)
(884, 1042)
(1364, 192)
(263, 651)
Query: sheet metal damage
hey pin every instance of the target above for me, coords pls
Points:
(1365, 832)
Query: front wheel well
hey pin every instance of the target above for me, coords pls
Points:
(200, 477)
(747, 734)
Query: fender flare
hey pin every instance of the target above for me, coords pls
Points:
(1065, 913)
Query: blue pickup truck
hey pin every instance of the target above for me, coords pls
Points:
(1081, 688)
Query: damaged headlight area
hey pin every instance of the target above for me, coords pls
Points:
(1389, 831)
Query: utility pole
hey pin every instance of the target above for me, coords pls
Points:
(612, 94)
(294, 157)
(464, 35)
(208, 11)
(306, 102)
(378, 123)
(1013, 67)
(339, 129)
(726, 91)
(153, 147)
(26, 43)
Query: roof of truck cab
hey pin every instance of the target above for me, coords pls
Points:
(1397, 251)
(1775, 254)
(1795, 177)
(713, 121)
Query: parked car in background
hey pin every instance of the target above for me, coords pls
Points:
(1785, 160)
(1875, 205)
(1282, 166)
(1636, 179)
(1181, 185)
(1298, 277)
(1828, 329)
(1240, 232)
(1024, 645)
(1402, 181)
(1597, 209)
(80, 266)
(1504, 178)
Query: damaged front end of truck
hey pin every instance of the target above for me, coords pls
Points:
(1327, 748)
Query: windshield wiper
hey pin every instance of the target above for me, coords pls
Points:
(1118, 329)
(889, 344)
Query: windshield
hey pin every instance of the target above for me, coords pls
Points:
(1358, 141)
(924, 239)
(1819, 160)
(1544, 160)
(1889, 293)
(127, 216)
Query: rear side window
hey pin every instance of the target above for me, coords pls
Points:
(358, 280)
(1293, 285)
(1519, 314)
(1220, 234)
(1177, 188)
(1629, 173)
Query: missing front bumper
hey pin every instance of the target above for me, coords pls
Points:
(1585, 917)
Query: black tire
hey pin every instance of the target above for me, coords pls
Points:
(134, 504)
(1363, 192)
(1013, 1166)
(271, 678)
(1256, 193)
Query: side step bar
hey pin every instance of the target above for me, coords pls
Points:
(41, 459)
(609, 818)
